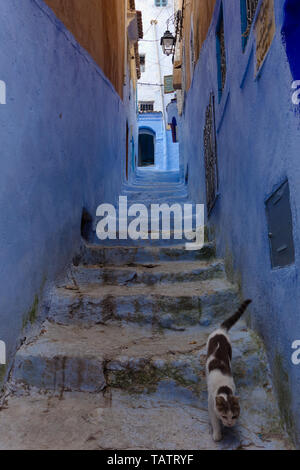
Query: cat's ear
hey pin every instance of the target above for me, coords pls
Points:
(220, 402)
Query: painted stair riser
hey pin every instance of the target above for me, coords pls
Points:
(186, 370)
(102, 276)
(135, 374)
(167, 312)
(59, 373)
(145, 242)
(119, 256)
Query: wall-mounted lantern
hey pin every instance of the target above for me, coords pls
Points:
(167, 43)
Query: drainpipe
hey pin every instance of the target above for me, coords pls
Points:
(154, 22)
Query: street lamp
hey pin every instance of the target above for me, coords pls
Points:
(167, 43)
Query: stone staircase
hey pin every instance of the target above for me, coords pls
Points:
(149, 188)
(119, 361)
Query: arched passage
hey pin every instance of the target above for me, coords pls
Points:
(146, 146)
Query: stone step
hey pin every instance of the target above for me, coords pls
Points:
(155, 188)
(172, 238)
(135, 359)
(149, 183)
(149, 274)
(119, 255)
(155, 176)
(150, 199)
(177, 305)
(71, 358)
(169, 419)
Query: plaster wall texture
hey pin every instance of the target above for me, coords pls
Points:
(154, 55)
(258, 143)
(99, 27)
(63, 148)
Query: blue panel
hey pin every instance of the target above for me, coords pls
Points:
(291, 34)
(280, 227)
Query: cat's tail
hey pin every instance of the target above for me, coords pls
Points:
(227, 324)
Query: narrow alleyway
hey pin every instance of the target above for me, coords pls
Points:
(119, 361)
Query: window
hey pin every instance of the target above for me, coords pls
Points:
(192, 50)
(248, 10)
(161, 3)
(146, 106)
(142, 62)
(210, 155)
(221, 54)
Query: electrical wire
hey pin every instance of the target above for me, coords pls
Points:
(145, 34)
(162, 10)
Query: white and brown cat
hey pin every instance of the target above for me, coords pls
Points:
(223, 405)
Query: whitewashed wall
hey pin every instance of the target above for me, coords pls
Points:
(150, 46)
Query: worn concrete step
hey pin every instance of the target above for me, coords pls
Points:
(136, 359)
(155, 190)
(155, 187)
(172, 306)
(149, 274)
(139, 371)
(172, 238)
(174, 420)
(147, 242)
(71, 358)
(119, 255)
(160, 199)
(148, 183)
(180, 357)
(154, 175)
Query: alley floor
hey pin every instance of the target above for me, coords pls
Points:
(119, 361)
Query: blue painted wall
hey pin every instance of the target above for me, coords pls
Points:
(166, 153)
(258, 137)
(62, 136)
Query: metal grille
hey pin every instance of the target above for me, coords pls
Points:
(210, 155)
(146, 106)
(161, 3)
(251, 9)
(251, 6)
(222, 54)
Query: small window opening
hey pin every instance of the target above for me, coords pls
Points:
(248, 10)
(221, 54)
(146, 106)
(142, 63)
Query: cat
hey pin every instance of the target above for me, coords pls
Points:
(223, 405)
